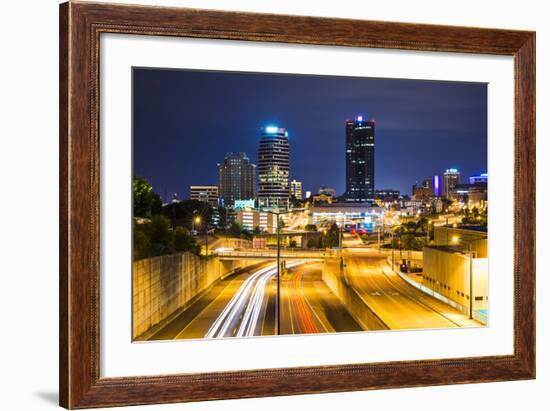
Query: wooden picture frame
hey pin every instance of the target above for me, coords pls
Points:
(80, 27)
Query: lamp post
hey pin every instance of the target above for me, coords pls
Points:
(278, 231)
(471, 253)
(196, 220)
(392, 249)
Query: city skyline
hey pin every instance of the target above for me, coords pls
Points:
(315, 161)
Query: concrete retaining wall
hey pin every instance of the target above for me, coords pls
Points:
(164, 284)
(353, 302)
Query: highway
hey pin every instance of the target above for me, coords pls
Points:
(398, 304)
(245, 305)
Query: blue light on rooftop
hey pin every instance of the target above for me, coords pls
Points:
(359, 118)
(271, 129)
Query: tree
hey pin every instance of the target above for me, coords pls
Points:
(183, 241)
(183, 213)
(223, 218)
(310, 227)
(257, 230)
(312, 243)
(162, 238)
(422, 224)
(293, 244)
(145, 201)
(142, 243)
(235, 230)
(331, 238)
(157, 238)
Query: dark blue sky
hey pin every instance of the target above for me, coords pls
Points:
(186, 121)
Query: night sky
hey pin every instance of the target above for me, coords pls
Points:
(186, 121)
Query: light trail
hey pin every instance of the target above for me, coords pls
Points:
(245, 307)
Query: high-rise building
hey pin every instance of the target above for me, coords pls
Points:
(451, 178)
(237, 179)
(274, 168)
(359, 160)
(205, 193)
(296, 189)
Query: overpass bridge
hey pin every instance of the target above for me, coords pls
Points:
(272, 254)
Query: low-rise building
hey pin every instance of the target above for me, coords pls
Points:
(205, 193)
(387, 195)
(322, 199)
(242, 204)
(252, 219)
(327, 191)
(457, 259)
(347, 215)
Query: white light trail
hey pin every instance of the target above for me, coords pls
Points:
(247, 302)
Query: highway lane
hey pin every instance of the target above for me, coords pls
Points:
(195, 321)
(397, 303)
(243, 316)
(309, 307)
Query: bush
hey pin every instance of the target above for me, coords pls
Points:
(157, 238)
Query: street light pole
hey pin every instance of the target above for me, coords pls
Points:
(378, 240)
(206, 239)
(471, 272)
(392, 250)
(278, 276)
(471, 283)
(428, 232)
(277, 300)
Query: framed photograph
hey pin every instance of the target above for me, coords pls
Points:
(259, 205)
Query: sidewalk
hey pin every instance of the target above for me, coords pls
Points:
(430, 300)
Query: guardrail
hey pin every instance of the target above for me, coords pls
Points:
(273, 254)
(479, 316)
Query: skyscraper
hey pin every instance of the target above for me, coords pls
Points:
(237, 178)
(359, 160)
(451, 178)
(274, 168)
(296, 189)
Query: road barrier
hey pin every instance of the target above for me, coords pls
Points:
(167, 284)
(477, 315)
(271, 254)
(352, 300)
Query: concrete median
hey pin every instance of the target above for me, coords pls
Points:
(357, 307)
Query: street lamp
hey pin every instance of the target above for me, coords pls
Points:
(457, 240)
(196, 220)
